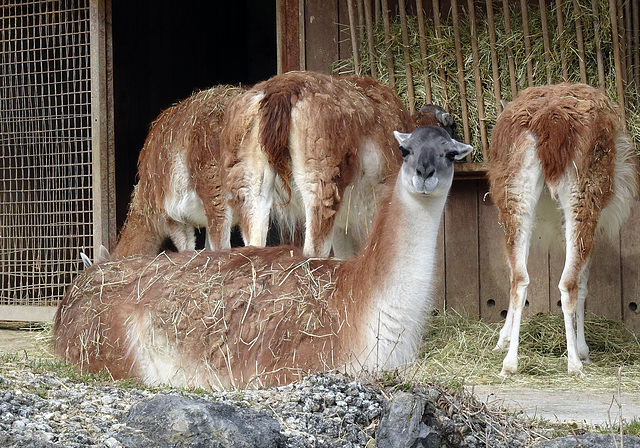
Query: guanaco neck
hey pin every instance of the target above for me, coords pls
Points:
(388, 286)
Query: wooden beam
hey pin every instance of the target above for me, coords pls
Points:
(102, 144)
(21, 313)
(288, 35)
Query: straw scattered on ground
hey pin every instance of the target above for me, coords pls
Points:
(457, 350)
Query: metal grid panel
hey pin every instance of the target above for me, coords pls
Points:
(46, 204)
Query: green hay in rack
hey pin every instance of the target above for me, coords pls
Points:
(441, 54)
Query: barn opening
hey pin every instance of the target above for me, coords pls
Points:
(164, 50)
(81, 80)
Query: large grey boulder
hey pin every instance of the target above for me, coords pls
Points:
(408, 421)
(173, 421)
(590, 440)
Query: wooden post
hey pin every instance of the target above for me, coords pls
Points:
(477, 76)
(370, 39)
(387, 42)
(102, 148)
(545, 39)
(527, 40)
(598, 41)
(616, 54)
(288, 35)
(423, 51)
(628, 41)
(354, 37)
(321, 35)
(635, 12)
(622, 41)
(510, 58)
(580, 42)
(407, 57)
(494, 56)
(460, 65)
(560, 37)
(360, 7)
(443, 74)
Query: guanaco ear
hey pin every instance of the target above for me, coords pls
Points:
(86, 261)
(461, 150)
(103, 254)
(444, 117)
(401, 137)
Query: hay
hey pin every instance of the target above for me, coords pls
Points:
(442, 56)
(457, 349)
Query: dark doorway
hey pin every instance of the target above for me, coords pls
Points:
(164, 50)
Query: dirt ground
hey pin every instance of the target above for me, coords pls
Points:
(31, 343)
(590, 407)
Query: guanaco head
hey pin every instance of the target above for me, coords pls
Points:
(432, 115)
(428, 154)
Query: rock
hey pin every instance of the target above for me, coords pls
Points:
(172, 421)
(408, 420)
(590, 440)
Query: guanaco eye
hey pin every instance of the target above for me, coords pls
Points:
(405, 151)
(452, 155)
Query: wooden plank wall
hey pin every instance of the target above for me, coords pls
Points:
(476, 276)
(472, 271)
(326, 34)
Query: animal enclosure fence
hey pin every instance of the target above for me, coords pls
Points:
(48, 137)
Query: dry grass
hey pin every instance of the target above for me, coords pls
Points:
(458, 349)
(441, 57)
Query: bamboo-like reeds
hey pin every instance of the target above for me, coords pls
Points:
(479, 54)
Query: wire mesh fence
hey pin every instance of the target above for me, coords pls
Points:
(46, 205)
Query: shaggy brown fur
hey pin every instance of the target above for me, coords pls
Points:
(267, 315)
(330, 119)
(575, 127)
(571, 138)
(186, 297)
(179, 156)
(253, 316)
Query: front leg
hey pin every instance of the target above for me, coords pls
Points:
(505, 333)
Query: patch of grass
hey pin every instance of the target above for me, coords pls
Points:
(632, 428)
(629, 428)
(458, 349)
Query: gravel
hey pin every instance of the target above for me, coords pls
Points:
(42, 408)
(48, 410)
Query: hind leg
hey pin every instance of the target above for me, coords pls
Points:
(321, 197)
(517, 216)
(518, 254)
(321, 200)
(579, 235)
(248, 190)
(256, 207)
(583, 349)
(182, 235)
